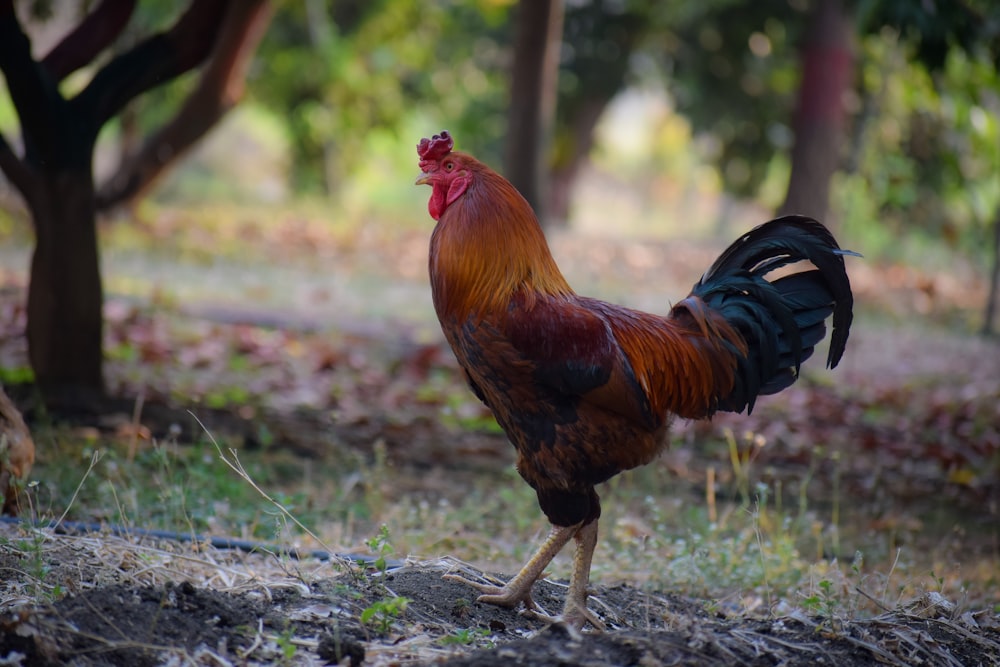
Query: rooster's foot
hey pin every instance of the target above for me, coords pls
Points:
(502, 596)
(573, 618)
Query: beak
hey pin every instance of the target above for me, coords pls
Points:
(424, 178)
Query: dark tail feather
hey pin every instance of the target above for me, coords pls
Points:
(781, 320)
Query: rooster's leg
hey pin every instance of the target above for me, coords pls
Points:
(518, 589)
(575, 613)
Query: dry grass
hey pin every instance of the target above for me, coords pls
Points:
(77, 563)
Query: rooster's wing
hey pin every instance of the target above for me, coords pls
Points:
(573, 352)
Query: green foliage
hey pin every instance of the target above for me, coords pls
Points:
(338, 74)
(734, 76)
(381, 614)
(936, 30)
(926, 151)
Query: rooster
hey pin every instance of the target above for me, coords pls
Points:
(586, 389)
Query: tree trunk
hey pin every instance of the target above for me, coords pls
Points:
(532, 97)
(818, 124)
(65, 298)
(580, 141)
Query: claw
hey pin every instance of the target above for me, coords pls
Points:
(573, 619)
(503, 596)
(575, 616)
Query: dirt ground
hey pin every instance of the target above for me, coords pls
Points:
(135, 603)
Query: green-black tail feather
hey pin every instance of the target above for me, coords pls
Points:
(781, 320)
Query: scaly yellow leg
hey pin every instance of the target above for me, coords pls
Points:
(518, 589)
(575, 613)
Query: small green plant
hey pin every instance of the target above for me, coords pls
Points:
(381, 547)
(35, 563)
(31, 550)
(823, 601)
(382, 613)
(835, 594)
(464, 636)
(286, 645)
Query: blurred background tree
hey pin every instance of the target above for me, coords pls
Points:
(60, 119)
(534, 74)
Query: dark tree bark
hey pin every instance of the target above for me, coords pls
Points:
(65, 297)
(538, 31)
(818, 124)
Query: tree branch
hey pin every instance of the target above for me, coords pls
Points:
(34, 94)
(88, 39)
(154, 61)
(219, 89)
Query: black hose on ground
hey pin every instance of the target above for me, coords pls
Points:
(248, 546)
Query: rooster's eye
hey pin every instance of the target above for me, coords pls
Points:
(448, 166)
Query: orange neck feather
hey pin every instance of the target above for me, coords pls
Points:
(488, 246)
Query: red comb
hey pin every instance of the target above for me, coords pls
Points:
(436, 147)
